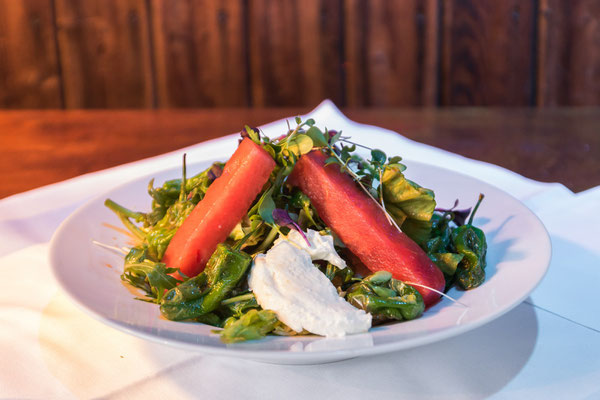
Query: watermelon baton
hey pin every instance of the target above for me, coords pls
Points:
(363, 226)
(226, 202)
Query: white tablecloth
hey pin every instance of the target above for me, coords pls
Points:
(547, 347)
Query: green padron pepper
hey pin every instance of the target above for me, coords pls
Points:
(469, 241)
(203, 293)
(386, 298)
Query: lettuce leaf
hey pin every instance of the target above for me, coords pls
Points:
(409, 204)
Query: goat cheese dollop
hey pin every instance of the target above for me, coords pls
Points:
(285, 281)
(321, 246)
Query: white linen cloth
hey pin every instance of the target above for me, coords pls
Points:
(547, 347)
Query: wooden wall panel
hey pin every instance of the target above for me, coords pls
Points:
(569, 53)
(388, 53)
(105, 53)
(488, 56)
(200, 53)
(295, 52)
(29, 72)
(391, 52)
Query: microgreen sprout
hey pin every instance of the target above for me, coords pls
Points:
(336, 159)
(282, 218)
(475, 209)
(458, 216)
(251, 133)
(438, 292)
(115, 249)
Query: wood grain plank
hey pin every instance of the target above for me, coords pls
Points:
(569, 53)
(105, 53)
(391, 52)
(43, 147)
(29, 73)
(83, 141)
(549, 145)
(295, 52)
(487, 52)
(200, 53)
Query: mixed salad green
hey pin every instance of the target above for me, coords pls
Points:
(220, 296)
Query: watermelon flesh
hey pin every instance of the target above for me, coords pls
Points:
(226, 202)
(363, 227)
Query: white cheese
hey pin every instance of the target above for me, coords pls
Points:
(285, 281)
(321, 246)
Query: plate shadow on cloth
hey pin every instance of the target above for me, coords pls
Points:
(481, 362)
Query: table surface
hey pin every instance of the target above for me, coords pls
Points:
(43, 147)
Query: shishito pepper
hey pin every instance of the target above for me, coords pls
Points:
(469, 241)
(386, 298)
(171, 205)
(203, 293)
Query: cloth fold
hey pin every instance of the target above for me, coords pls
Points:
(51, 349)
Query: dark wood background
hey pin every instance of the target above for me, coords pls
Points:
(256, 53)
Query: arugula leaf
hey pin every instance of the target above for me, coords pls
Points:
(147, 274)
(251, 133)
(266, 206)
(317, 136)
(171, 204)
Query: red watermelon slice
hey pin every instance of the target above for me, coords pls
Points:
(363, 227)
(226, 202)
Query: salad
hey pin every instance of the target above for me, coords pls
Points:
(299, 235)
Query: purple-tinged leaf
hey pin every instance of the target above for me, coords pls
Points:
(333, 137)
(252, 133)
(282, 218)
(214, 172)
(458, 216)
(448, 209)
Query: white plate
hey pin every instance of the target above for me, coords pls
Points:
(518, 257)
